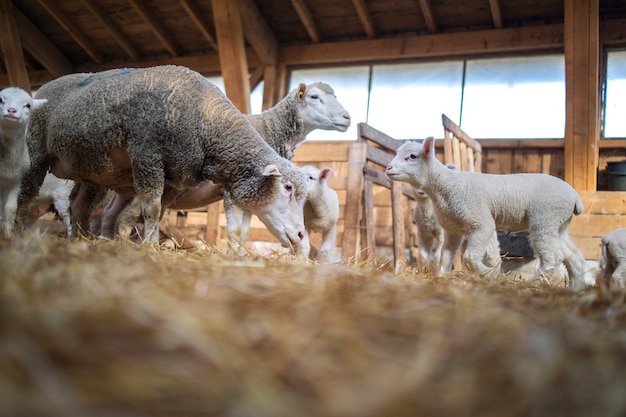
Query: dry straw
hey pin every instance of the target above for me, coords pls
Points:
(101, 328)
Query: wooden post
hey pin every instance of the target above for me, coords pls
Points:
(12, 47)
(232, 53)
(353, 210)
(368, 237)
(213, 223)
(582, 91)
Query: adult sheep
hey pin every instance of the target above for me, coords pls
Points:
(138, 131)
(283, 127)
(16, 106)
(475, 205)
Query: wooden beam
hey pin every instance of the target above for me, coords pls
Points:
(203, 25)
(113, 28)
(232, 52)
(153, 21)
(72, 30)
(429, 16)
(365, 17)
(307, 19)
(496, 15)
(582, 93)
(484, 42)
(12, 47)
(39, 46)
(258, 33)
(256, 76)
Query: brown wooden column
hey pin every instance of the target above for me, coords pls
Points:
(582, 115)
(12, 47)
(232, 52)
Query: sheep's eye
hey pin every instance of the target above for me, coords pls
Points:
(311, 177)
(28, 106)
(314, 96)
(413, 156)
(289, 187)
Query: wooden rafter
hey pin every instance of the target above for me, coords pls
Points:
(113, 28)
(39, 46)
(72, 29)
(258, 32)
(429, 16)
(194, 12)
(307, 19)
(496, 15)
(12, 47)
(365, 17)
(148, 15)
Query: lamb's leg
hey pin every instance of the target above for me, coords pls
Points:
(480, 246)
(62, 207)
(618, 278)
(127, 215)
(451, 244)
(303, 250)
(427, 261)
(149, 184)
(9, 203)
(86, 198)
(492, 255)
(234, 222)
(548, 248)
(326, 253)
(111, 214)
(29, 190)
(574, 263)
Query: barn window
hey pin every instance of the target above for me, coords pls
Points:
(615, 95)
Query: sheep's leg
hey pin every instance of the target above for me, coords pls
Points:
(618, 278)
(492, 255)
(427, 257)
(62, 207)
(149, 184)
(480, 245)
(451, 244)
(326, 253)
(303, 250)
(82, 205)
(127, 216)
(111, 214)
(29, 190)
(549, 250)
(234, 222)
(246, 217)
(9, 208)
(574, 263)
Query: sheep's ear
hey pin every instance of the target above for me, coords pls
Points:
(429, 147)
(301, 91)
(325, 173)
(39, 102)
(271, 171)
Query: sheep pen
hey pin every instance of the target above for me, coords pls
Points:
(103, 328)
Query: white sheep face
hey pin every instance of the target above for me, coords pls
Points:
(16, 106)
(315, 179)
(409, 164)
(320, 109)
(283, 216)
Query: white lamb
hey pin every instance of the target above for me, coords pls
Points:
(613, 260)
(15, 109)
(55, 191)
(429, 231)
(321, 213)
(476, 205)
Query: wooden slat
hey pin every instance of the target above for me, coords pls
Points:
(258, 33)
(429, 17)
(368, 235)
(113, 28)
(201, 23)
(365, 17)
(155, 25)
(72, 30)
(496, 15)
(459, 133)
(366, 132)
(12, 47)
(307, 19)
(356, 161)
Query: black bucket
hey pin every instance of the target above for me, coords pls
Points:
(616, 176)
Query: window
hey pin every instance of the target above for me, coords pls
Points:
(615, 100)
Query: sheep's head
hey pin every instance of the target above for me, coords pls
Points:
(411, 162)
(16, 106)
(316, 179)
(320, 109)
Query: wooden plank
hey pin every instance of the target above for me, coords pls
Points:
(429, 16)
(213, 222)
(356, 162)
(112, 28)
(203, 26)
(459, 133)
(378, 156)
(368, 238)
(258, 33)
(12, 47)
(322, 151)
(604, 202)
(230, 41)
(307, 19)
(368, 133)
(365, 17)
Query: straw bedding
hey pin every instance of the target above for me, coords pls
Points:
(101, 328)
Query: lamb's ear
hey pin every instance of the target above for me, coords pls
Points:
(429, 147)
(301, 91)
(39, 102)
(272, 171)
(325, 173)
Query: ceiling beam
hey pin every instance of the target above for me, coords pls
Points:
(11, 46)
(153, 21)
(429, 16)
(258, 32)
(496, 15)
(203, 25)
(113, 28)
(457, 44)
(365, 17)
(72, 30)
(307, 19)
(39, 46)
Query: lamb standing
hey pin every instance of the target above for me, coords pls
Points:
(613, 260)
(54, 191)
(139, 130)
(475, 205)
(321, 213)
(16, 106)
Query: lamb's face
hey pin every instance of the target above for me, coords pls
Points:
(283, 215)
(16, 106)
(320, 109)
(407, 165)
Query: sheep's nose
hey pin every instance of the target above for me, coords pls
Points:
(347, 117)
(301, 235)
(12, 110)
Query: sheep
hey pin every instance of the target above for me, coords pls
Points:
(429, 232)
(321, 213)
(613, 260)
(152, 133)
(284, 127)
(16, 106)
(53, 191)
(476, 205)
